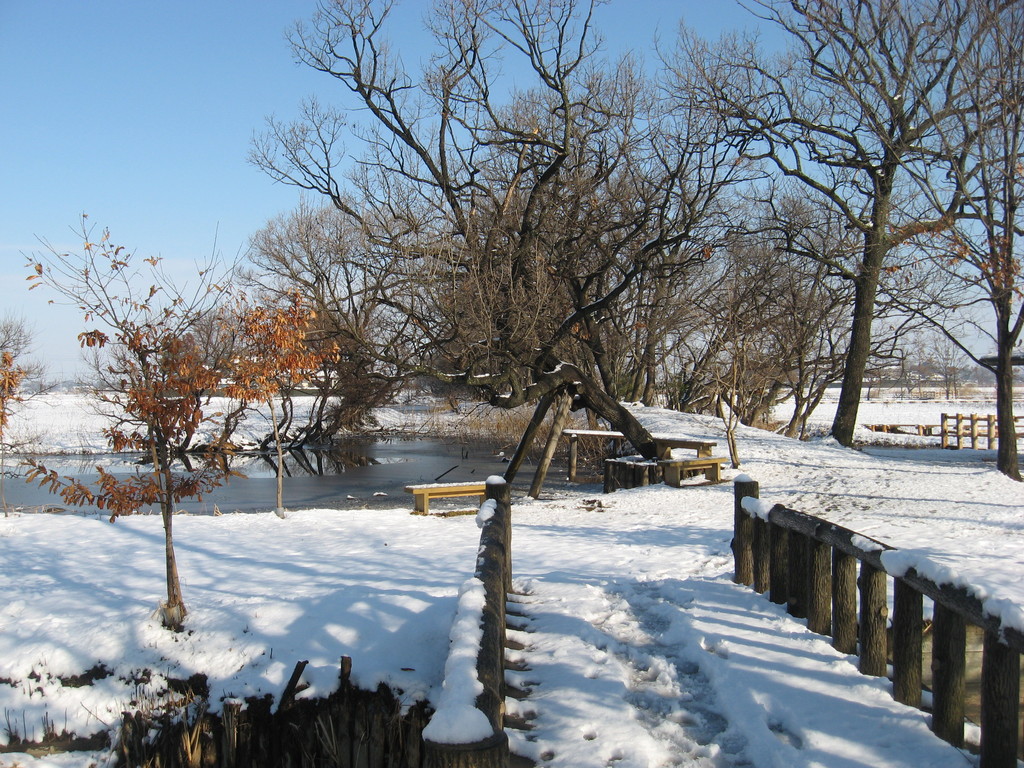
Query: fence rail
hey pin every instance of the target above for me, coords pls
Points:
(810, 565)
(494, 570)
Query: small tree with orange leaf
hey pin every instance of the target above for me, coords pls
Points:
(154, 377)
(11, 377)
(273, 354)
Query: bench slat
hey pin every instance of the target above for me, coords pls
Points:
(675, 470)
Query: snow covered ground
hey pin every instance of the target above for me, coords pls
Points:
(639, 649)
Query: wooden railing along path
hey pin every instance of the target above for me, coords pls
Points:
(810, 565)
(494, 570)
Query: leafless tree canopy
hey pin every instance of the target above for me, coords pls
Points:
(522, 213)
(506, 224)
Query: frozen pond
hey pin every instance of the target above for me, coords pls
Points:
(359, 473)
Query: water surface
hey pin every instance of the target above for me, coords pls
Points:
(357, 473)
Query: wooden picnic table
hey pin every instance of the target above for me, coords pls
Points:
(574, 436)
(663, 445)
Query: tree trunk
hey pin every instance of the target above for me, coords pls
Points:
(592, 396)
(173, 610)
(279, 510)
(616, 415)
(876, 246)
(528, 436)
(1007, 460)
(557, 424)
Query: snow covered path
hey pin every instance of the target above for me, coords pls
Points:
(647, 654)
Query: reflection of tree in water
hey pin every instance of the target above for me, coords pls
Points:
(298, 461)
(308, 461)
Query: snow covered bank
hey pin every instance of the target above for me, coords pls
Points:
(638, 649)
(73, 423)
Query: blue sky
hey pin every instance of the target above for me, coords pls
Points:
(141, 114)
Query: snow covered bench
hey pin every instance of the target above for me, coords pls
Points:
(675, 470)
(422, 494)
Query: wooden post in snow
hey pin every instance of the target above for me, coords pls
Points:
(527, 440)
(1000, 704)
(873, 614)
(762, 555)
(574, 456)
(798, 574)
(819, 587)
(949, 674)
(907, 639)
(557, 425)
(844, 601)
(778, 591)
(743, 531)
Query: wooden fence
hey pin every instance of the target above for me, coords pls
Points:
(957, 428)
(494, 569)
(350, 728)
(810, 565)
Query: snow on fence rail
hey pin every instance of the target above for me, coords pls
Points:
(809, 565)
(467, 729)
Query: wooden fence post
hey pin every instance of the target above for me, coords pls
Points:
(743, 531)
(574, 455)
(1000, 704)
(990, 432)
(819, 592)
(778, 591)
(762, 555)
(798, 574)
(943, 430)
(502, 494)
(844, 602)
(907, 638)
(873, 614)
(949, 673)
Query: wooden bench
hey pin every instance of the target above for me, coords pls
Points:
(922, 430)
(675, 470)
(663, 445)
(422, 494)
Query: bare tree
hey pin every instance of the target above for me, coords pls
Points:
(512, 221)
(855, 103)
(321, 253)
(981, 154)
